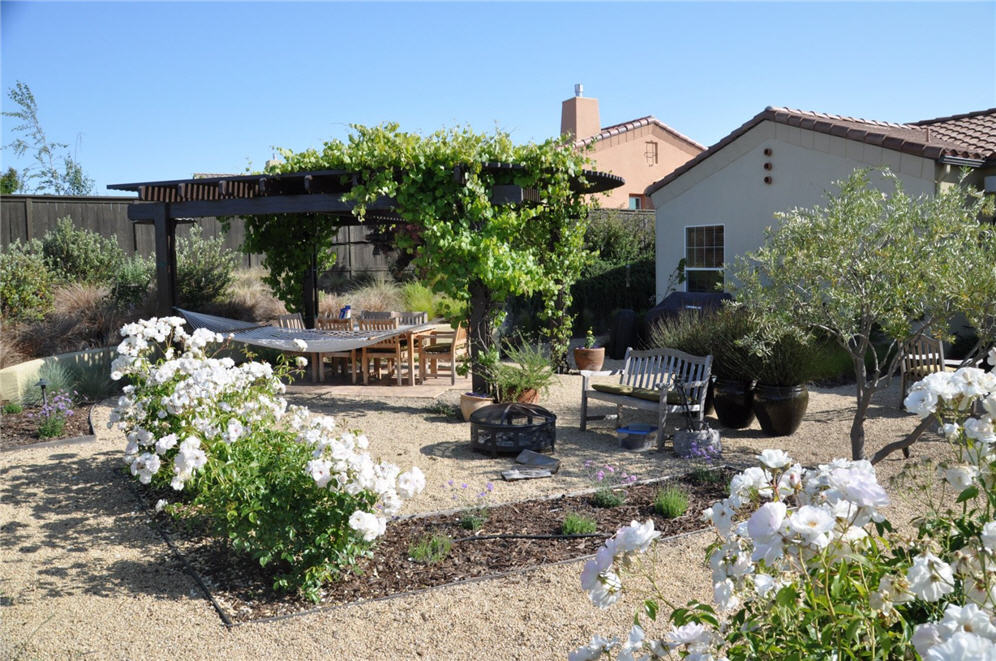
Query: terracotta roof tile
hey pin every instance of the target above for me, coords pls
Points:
(971, 135)
(617, 129)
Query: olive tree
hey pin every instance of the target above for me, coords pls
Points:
(874, 271)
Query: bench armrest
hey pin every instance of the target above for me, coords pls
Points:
(587, 374)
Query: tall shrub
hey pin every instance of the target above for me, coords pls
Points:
(25, 281)
(204, 268)
(80, 255)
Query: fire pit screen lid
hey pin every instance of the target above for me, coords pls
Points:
(511, 414)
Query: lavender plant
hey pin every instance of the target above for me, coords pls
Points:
(608, 479)
(52, 415)
(476, 503)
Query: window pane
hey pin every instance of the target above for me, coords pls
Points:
(703, 281)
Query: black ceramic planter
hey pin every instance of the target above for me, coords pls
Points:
(780, 409)
(733, 402)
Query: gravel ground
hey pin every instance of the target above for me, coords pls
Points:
(82, 573)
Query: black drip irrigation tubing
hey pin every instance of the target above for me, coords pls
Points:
(183, 560)
(513, 536)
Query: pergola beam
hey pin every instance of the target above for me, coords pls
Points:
(253, 206)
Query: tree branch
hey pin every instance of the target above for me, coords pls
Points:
(902, 444)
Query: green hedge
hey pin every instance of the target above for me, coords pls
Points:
(606, 287)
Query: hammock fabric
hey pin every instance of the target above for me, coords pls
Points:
(282, 339)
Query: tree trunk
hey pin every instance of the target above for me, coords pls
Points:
(480, 331)
(863, 400)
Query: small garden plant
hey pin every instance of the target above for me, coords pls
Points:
(12, 408)
(578, 524)
(430, 549)
(476, 502)
(52, 416)
(590, 341)
(608, 479)
(671, 502)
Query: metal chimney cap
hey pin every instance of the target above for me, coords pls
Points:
(578, 89)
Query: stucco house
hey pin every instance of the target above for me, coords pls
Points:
(641, 151)
(717, 205)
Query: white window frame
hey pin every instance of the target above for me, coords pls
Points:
(684, 252)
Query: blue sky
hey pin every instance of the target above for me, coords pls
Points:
(145, 91)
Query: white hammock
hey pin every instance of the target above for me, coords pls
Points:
(282, 339)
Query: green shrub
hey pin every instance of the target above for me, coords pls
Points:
(474, 519)
(606, 497)
(671, 502)
(577, 524)
(430, 549)
(80, 255)
(204, 269)
(93, 381)
(133, 280)
(25, 281)
(267, 507)
(12, 408)
(605, 287)
(419, 298)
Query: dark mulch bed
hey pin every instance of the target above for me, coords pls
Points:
(243, 590)
(18, 429)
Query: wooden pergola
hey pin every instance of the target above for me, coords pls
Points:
(165, 204)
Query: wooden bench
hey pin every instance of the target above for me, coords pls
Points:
(649, 380)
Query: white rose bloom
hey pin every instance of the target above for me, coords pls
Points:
(593, 650)
(763, 583)
(692, 633)
(930, 578)
(722, 594)
(606, 590)
(960, 477)
(300, 344)
(411, 483)
(636, 537)
(301, 361)
(950, 430)
(165, 443)
(145, 466)
(962, 645)
(774, 459)
(160, 504)
(981, 429)
(370, 526)
(320, 471)
(992, 356)
(989, 536)
(811, 522)
(969, 618)
(926, 636)
(921, 401)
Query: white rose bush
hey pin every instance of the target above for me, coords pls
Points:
(806, 566)
(280, 483)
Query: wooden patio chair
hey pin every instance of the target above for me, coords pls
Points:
(332, 323)
(392, 348)
(921, 357)
(442, 346)
(296, 322)
(377, 314)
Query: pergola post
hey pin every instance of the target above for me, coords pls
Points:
(165, 228)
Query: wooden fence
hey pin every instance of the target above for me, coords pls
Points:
(31, 216)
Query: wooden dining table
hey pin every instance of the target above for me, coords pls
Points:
(410, 333)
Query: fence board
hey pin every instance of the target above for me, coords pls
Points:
(30, 216)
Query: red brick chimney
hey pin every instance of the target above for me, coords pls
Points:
(579, 116)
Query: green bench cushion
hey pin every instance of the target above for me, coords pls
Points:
(442, 347)
(648, 394)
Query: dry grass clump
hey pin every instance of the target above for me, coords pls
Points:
(379, 294)
(248, 298)
(83, 317)
(11, 351)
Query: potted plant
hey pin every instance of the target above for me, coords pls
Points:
(734, 366)
(471, 401)
(590, 356)
(781, 396)
(523, 381)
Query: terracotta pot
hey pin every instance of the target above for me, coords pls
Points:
(589, 359)
(528, 396)
(780, 409)
(470, 403)
(734, 403)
